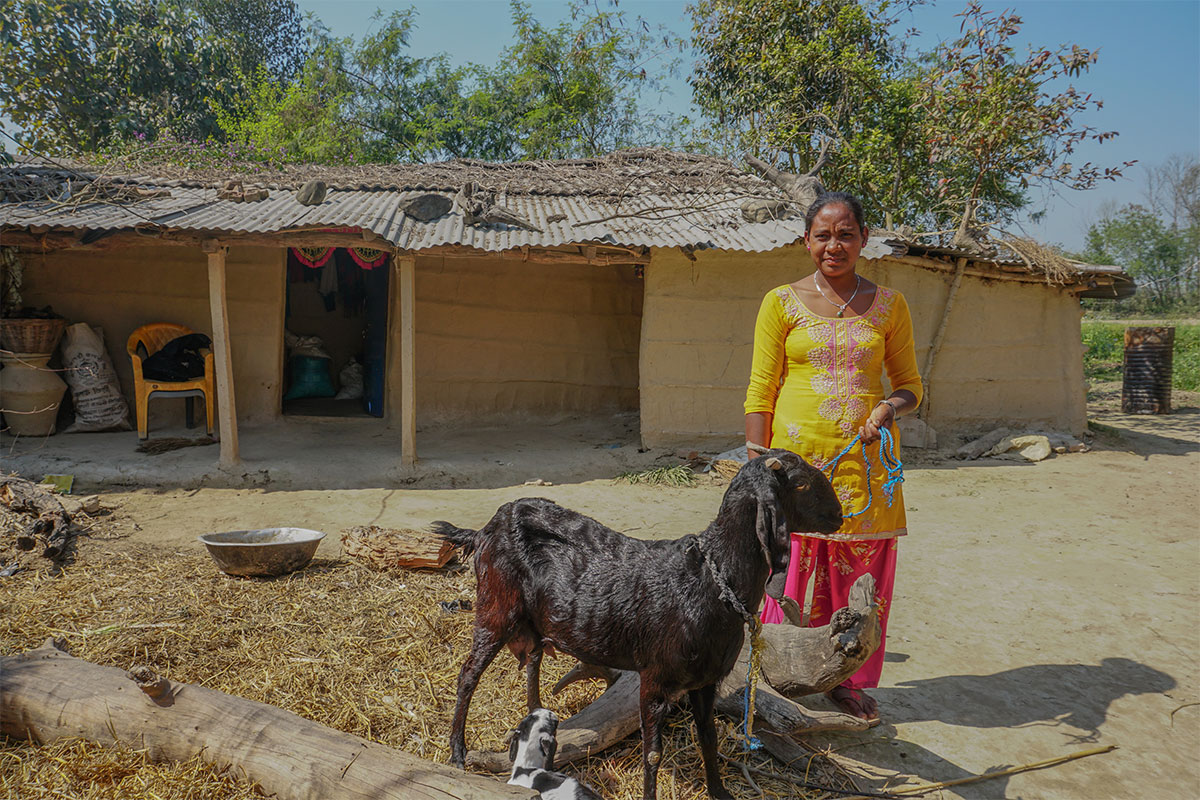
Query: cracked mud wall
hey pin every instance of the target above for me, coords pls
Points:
(498, 338)
(122, 289)
(1011, 354)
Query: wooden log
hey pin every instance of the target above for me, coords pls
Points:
(50, 695)
(390, 548)
(51, 529)
(797, 661)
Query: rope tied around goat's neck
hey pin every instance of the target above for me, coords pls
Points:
(749, 742)
(892, 465)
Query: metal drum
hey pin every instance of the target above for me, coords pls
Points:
(1146, 386)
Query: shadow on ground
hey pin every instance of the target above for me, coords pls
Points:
(1073, 697)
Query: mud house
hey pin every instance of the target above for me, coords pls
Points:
(534, 290)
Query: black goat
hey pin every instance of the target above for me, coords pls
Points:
(532, 750)
(549, 578)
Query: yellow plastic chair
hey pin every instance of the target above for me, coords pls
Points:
(152, 337)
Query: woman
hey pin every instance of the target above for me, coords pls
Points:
(821, 345)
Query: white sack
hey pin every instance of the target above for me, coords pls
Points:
(351, 380)
(95, 390)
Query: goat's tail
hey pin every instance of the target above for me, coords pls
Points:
(459, 537)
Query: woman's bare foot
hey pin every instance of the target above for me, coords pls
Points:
(856, 703)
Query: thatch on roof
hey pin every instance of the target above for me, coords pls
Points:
(623, 173)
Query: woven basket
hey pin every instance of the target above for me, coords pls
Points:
(31, 335)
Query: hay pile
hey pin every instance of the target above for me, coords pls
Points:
(366, 652)
(86, 771)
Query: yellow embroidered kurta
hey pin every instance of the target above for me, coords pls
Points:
(821, 377)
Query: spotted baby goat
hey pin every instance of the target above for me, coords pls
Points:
(549, 578)
(532, 751)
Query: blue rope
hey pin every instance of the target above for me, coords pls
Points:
(895, 472)
(887, 458)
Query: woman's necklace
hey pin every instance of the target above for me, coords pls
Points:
(842, 306)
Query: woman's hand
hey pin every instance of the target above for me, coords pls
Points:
(881, 416)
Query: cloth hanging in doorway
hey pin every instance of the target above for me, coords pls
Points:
(313, 257)
(329, 284)
(351, 283)
(368, 257)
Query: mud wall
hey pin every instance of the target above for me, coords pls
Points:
(1011, 354)
(498, 338)
(123, 289)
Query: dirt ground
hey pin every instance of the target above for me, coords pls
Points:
(1040, 609)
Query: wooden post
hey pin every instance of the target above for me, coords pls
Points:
(408, 366)
(218, 305)
(936, 344)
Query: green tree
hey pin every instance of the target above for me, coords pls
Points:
(577, 89)
(303, 120)
(568, 91)
(265, 35)
(1162, 259)
(75, 74)
(995, 122)
(790, 79)
(366, 101)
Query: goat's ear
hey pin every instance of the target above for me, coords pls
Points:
(514, 743)
(770, 525)
(549, 745)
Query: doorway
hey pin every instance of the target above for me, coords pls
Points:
(335, 331)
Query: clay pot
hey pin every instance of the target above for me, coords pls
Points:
(29, 394)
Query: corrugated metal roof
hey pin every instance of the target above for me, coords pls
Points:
(696, 221)
(643, 197)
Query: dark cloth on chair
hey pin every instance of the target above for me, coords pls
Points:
(179, 359)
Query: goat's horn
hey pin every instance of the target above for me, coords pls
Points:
(774, 463)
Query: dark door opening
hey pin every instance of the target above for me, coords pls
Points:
(335, 332)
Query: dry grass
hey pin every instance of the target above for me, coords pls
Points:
(678, 475)
(366, 652)
(1043, 260)
(87, 771)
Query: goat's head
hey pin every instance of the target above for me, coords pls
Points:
(791, 495)
(535, 741)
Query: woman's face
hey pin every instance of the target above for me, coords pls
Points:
(835, 240)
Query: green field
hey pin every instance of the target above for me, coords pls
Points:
(1104, 344)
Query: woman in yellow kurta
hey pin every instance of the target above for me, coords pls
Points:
(821, 346)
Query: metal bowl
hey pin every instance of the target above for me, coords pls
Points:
(264, 552)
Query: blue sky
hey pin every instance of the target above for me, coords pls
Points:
(1148, 74)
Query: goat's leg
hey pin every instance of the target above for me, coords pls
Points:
(703, 700)
(653, 712)
(533, 675)
(484, 647)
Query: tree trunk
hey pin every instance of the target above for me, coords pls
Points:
(797, 661)
(50, 695)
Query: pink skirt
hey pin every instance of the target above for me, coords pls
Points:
(834, 567)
